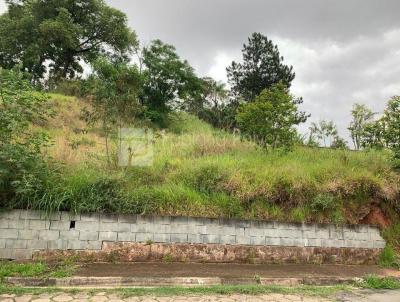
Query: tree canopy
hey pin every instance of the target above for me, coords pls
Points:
(57, 35)
(262, 67)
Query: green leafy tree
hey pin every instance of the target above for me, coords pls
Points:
(391, 118)
(168, 81)
(22, 168)
(270, 118)
(35, 33)
(325, 131)
(339, 143)
(116, 87)
(262, 67)
(373, 135)
(362, 116)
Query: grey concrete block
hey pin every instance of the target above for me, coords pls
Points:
(108, 226)
(49, 235)
(59, 244)
(299, 242)
(88, 235)
(37, 244)
(379, 244)
(31, 215)
(77, 245)
(3, 223)
(22, 254)
(211, 238)
(2, 243)
(272, 233)
(257, 240)
(243, 240)
(66, 216)
(228, 239)
(254, 232)
(108, 218)
(322, 233)
(356, 236)
(163, 238)
(124, 227)
(28, 234)
(180, 220)
(8, 233)
(310, 242)
(14, 214)
(239, 231)
(180, 229)
(39, 224)
(91, 217)
(108, 236)
(272, 241)
(163, 220)
(16, 243)
(179, 238)
(336, 233)
(69, 235)
(140, 219)
(127, 218)
(56, 216)
(19, 224)
(162, 228)
(94, 245)
(308, 227)
(126, 236)
(228, 230)
(195, 238)
(61, 225)
(6, 254)
(144, 237)
(292, 233)
(87, 225)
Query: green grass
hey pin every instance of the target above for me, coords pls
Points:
(374, 282)
(36, 269)
(320, 291)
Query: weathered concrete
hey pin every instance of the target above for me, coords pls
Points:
(22, 233)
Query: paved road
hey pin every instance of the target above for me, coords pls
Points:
(357, 296)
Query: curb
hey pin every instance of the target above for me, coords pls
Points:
(173, 281)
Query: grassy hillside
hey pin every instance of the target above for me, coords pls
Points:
(200, 171)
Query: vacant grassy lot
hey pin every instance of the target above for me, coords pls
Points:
(201, 171)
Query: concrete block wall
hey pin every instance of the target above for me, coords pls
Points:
(24, 232)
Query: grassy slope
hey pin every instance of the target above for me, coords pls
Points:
(201, 171)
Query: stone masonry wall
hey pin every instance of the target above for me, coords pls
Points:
(24, 232)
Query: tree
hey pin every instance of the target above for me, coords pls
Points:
(116, 90)
(362, 116)
(270, 118)
(21, 162)
(339, 143)
(168, 80)
(373, 135)
(391, 118)
(262, 68)
(324, 130)
(61, 34)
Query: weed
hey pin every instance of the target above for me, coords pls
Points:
(388, 258)
(375, 282)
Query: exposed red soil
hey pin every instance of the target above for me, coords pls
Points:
(376, 217)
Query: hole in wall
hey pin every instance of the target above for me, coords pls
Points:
(72, 225)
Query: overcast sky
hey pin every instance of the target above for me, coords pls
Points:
(342, 51)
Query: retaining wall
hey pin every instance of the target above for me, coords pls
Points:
(25, 233)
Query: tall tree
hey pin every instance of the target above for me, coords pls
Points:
(168, 80)
(362, 116)
(391, 118)
(271, 117)
(61, 34)
(262, 67)
(324, 130)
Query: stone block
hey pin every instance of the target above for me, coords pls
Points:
(22, 254)
(2, 243)
(126, 236)
(111, 218)
(77, 245)
(240, 231)
(39, 224)
(322, 233)
(143, 219)
(49, 235)
(179, 238)
(124, 227)
(59, 244)
(87, 225)
(163, 238)
(3, 223)
(19, 224)
(16, 243)
(272, 233)
(211, 238)
(312, 242)
(287, 242)
(37, 244)
(66, 216)
(6, 254)
(195, 238)
(108, 227)
(92, 217)
(290, 233)
(163, 220)
(14, 214)
(126, 218)
(8, 234)
(56, 216)
(88, 235)
(144, 237)
(31, 215)
(69, 235)
(108, 236)
(94, 245)
(254, 232)
(228, 239)
(228, 230)
(60, 225)
(28, 234)
(243, 240)
(179, 220)
(257, 240)
(380, 244)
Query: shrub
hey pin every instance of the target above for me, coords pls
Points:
(388, 257)
(207, 179)
(323, 203)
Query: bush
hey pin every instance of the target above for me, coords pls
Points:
(388, 257)
(323, 203)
